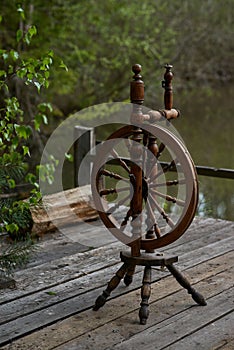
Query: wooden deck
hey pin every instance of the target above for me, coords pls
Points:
(51, 306)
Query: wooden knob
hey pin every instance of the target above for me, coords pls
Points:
(136, 68)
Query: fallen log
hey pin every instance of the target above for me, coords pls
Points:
(63, 208)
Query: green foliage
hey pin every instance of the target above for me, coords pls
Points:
(14, 256)
(19, 125)
(100, 41)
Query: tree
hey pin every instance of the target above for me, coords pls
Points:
(17, 128)
(100, 41)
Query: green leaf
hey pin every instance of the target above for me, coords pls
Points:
(12, 227)
(3, 73)
(69, 157)
(31, 178)
(21, 11)
(11, 183)
(14, 55)
(26, 150)
(5, 56)
(22, 72)
(30, 33)
(38, 85)
(44, 118)
(51, 293)
(47, 74)
(23, 131)
(63, 65)
(19, 35)
(44, 106)
(32, 30)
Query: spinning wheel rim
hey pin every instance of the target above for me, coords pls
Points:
(188, 211)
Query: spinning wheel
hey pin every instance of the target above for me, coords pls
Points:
(144, 187)
(168, 199)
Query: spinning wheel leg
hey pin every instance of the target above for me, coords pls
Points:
(129, 275)
(114, 282)
(197, 297)
(145, 294)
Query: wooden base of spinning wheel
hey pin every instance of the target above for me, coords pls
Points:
(148, 260)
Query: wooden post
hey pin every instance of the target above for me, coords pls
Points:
(84, 141)
(137, 98)
(167, 85)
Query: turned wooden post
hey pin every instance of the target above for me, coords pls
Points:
(129, 275)
(114, 282)
(145, 294)
(167, 85)
(137, 99)
(152, 169)
(182, 280)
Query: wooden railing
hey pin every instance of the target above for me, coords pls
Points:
(85, 141)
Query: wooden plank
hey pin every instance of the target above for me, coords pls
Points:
(215, 335)
(165, 305)
(65, 291)
(83, 323)
(48, 300)
(61, 270)
(180, 325)
(227, 346)
(66, 269)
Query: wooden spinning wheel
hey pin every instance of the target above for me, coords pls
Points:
(161, 224)
(144, 186)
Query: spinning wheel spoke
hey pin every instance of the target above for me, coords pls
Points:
(113, 175)
(165, 169)
(162, 212)
(106, 191)
(169, 198)
(151, 221)
(121, 161)
(168, 183)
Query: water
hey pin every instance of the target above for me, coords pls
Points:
(207, 125)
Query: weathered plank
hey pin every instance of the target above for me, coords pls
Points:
(75, 287)
(228, 346)
(207, 247)
(180, 325)
(214, 336)
(60, 271)
(86, 321)
(168, 305)
(68, 268)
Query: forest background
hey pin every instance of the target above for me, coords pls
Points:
(98, 41)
